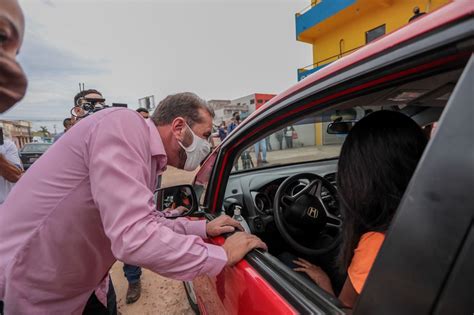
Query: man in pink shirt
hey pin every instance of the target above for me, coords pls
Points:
(88, 201)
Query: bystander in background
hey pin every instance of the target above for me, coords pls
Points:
(222, 131)
(10, 166)
(67, 123)
(144, 112)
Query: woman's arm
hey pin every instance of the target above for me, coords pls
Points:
(315, 273)
(348, 295)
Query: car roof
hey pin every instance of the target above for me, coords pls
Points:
(449, 13)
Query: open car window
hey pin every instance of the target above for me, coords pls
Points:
(320, 135)
(304, 140)
(316, 137)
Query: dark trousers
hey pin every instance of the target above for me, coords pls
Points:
(289, 142)
(269, 144)
(280, 142)
(95, 307)
(132, 273)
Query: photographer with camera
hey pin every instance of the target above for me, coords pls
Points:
(93, 204)
(87, 102)
(10, 166)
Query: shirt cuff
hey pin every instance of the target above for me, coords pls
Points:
(216, 260)
(197, 227)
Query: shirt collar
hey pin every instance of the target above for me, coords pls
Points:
(156, 144)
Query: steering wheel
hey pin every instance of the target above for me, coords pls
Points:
(304, 215)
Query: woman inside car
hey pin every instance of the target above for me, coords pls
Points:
(377, 160)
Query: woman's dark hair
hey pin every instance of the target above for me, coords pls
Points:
(377, 161)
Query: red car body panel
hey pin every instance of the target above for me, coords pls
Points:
(238, 290)
(241, 289)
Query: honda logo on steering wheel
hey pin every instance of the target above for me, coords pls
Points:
(312, 212)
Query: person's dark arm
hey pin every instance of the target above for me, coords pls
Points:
(10, 164)
(348, 295)
(9, 171)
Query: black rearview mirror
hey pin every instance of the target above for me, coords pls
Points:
(340, 127)
(170, 198)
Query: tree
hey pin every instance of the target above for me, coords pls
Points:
(45, 132)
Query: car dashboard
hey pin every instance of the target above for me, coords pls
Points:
(255, 191)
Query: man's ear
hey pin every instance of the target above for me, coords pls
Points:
(178, 128)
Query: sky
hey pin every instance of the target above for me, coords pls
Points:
(219, 49)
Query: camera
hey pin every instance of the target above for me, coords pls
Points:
(93, 104)
(1, 136)
(87, 105)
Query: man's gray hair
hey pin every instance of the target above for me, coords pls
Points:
(186, 105)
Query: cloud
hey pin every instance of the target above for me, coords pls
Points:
(53, 74)
(41, 58)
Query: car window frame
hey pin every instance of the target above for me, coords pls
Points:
(324, 90)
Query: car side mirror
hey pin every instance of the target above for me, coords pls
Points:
(170, 198)
(340, 127)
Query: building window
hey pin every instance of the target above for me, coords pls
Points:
(260, 101)
(374, 33)
(252, 101)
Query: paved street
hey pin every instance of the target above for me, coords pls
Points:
(301, 154)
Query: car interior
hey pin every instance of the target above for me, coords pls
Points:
(296, 178)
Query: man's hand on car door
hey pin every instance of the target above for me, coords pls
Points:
(239, 244)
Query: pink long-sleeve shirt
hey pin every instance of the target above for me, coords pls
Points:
(85, 203)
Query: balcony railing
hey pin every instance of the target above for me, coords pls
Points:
(305, 71)
(307, 8)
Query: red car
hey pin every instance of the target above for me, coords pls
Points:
(425, 70)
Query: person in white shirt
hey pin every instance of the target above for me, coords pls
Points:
(10, 168)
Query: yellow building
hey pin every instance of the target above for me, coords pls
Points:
(336, 28)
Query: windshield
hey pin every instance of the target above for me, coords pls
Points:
(35, 148)
(305, 140)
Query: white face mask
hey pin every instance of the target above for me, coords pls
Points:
(196, 152)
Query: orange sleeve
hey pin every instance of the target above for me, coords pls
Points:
(364, 257)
